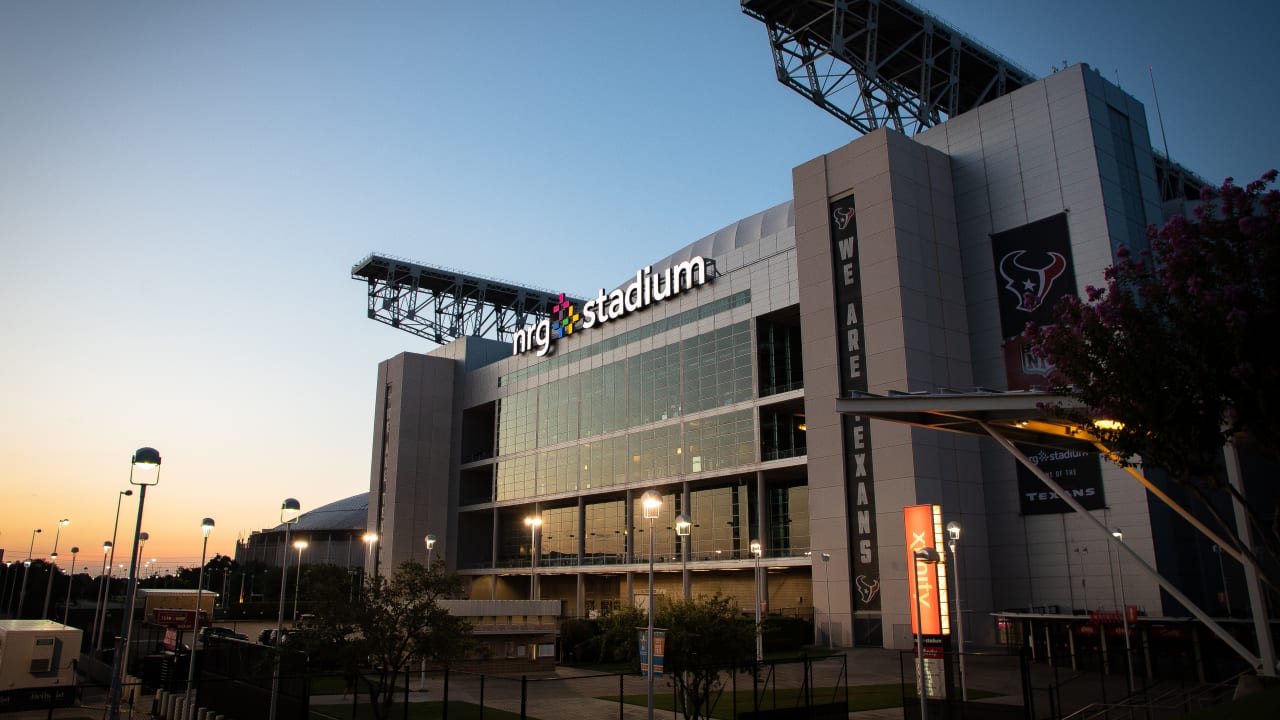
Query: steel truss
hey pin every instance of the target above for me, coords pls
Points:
(443, 305)
(881, 63)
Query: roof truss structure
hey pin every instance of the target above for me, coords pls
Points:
(443, 305)
(881, 63)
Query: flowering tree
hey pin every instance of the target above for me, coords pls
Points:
(1178, 346)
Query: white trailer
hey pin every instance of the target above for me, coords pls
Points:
(37, 654)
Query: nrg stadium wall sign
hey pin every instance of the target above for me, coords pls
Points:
(647, 289)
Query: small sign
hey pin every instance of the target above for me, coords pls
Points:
(170, 641)
(659, 650)
(177, 618)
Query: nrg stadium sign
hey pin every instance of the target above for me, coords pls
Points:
(648, 288)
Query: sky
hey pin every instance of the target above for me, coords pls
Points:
(185, 186)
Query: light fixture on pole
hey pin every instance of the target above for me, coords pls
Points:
(826, 580)
(71, 580)
(757, 550)
(683, 527)
(928, 556)
(106, 586)
(1222, 572)
(1124, 611)
(102, 581)
(370, 539)
(534, 522)
(651, 501)
(144, 471)
(53, 558)
(430, 541)
(206, 528)
(953, 530)
(290, 509)
(297, 583)
(1082, 553)
(26, 571)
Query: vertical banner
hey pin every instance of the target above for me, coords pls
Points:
(855, 430)
(927, 582)
(659, 650)
(1033, 270)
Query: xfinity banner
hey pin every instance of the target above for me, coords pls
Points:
(856, 431)
(1078, 473)
(1033, 270)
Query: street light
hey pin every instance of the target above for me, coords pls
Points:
(430, 541)
(826, 580)
(953, 529)
(26, 570)
(1124, 610)
(297, 583)
(66, 606)
(534, 522)
(370, 539)
(144, 471)
(102, 580)
(652, 504)
(206, 528)
(1222, 572)
(48, 590)
(757, 550)
(290, 509)
(928, 556)
(683, 526)
(106, 586)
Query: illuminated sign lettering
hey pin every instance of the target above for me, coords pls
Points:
(648, 288)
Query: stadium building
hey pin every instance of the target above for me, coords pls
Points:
(718, 375)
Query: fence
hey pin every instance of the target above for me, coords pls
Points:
(801, 688)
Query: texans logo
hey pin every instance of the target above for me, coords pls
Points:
(842, 217)
(867, 589)
(1030, 284)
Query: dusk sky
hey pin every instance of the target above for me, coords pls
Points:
(184, 187)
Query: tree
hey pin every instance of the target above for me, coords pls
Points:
(705, 637)
(388, 623)
(1177, 347)
(618, 634)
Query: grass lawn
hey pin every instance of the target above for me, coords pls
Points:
(417, 711)
(861, 697)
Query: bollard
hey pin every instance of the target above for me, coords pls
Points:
(158, 704)
(170, 700)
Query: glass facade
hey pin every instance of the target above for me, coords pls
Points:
(694, 375)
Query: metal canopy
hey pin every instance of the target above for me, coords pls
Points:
(881, 63)
(443, 305)
(1019, 414)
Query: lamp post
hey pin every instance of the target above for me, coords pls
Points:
(53, 557)
(1082, 553)
(826, 580)
(206, 527)
(290, 509)
(26, 571)
(102, 581)
(756, 550)
(534, 522)
(1124, 611)
(106, 586)
(652, 504)
(430, 542)
(1222, 572)
(683, 527)
(297, 583)
(953, 530)
(928, 556)
(71, 580)
(144, 471)
(370, 539)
